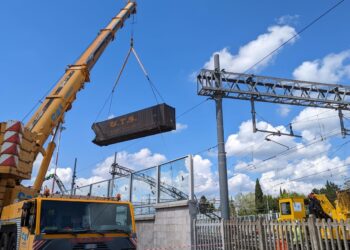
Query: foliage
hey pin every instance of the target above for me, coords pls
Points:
(245, 204)
(205, 206)
(330, 190)
(232, 208)
(271, 202)
(286, 194)
(260, 204)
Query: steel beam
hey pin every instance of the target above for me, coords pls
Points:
(274, 90)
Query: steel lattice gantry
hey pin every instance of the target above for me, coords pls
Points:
(172, 191)
(219, 84)
(273, 90)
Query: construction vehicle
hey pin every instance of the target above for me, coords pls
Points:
(298, 209)
(33, 221)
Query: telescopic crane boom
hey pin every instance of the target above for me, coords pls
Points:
(20, 145)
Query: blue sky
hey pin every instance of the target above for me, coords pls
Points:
(174, 39)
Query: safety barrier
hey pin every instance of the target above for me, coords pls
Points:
(277, 235)
(170, 181)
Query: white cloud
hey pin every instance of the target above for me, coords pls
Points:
(204, 177)
(254, 51)
(288, 19)
(331, 69)
(288, 169)
(283, 110)
(240, 183)
(317, 122)
(247, 141)
(180, 127)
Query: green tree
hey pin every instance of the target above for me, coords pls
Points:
(259, 199)
(271, 203)
(232, 208)
(205, 206)
(245, 204)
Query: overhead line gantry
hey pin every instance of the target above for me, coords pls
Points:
(219, 84)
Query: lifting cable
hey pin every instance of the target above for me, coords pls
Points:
(154, 90)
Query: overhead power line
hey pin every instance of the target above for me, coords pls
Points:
(295, 35)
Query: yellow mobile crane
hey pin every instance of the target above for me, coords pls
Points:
(33, 221)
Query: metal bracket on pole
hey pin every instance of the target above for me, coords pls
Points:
(273, 133)
(344, 131)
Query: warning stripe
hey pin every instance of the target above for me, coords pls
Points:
(10, 149)
(15, 126)
(8, 160)
(39, 244)
(13, 137)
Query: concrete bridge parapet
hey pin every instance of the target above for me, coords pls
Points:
(170, 226)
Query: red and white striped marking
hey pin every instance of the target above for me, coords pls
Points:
(8, 160)
(13, 137)
(14, 126)
(10, 149)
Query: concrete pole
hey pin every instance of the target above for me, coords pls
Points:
(223, 183)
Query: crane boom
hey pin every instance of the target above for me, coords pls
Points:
(51, 111)
(20, 145)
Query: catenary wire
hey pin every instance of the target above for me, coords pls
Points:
(295, 35)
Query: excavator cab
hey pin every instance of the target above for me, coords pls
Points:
(292, 209)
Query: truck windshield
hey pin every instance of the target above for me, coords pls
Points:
(84, 217)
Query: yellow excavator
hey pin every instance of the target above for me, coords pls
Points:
(30, 220)
(298, 208)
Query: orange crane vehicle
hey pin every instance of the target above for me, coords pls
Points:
(30, 220)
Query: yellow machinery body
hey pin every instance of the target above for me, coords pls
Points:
(295, 209)
(292, 209)
(33, 231)
(21, 144)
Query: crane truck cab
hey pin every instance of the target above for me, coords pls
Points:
(68, 222)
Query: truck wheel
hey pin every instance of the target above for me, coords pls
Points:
(4, 241)
(12, 242)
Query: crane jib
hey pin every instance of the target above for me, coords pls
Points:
(47, 105)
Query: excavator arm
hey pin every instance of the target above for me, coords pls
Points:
(20, 145)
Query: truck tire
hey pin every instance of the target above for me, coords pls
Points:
(4, 241)
(12, 243)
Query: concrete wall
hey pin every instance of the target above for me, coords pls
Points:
(171, 226)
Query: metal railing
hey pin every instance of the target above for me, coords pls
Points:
(170, 181)
(263, 234)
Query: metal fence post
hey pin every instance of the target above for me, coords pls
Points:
(158, 185)
(261, 233)
(194, 245)
(313, 232)
(130, 187)
(223, 238)
(191, 184)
